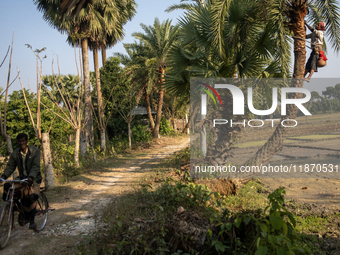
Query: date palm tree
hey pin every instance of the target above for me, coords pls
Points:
(248, 48)
(158, 40)
(280, 18)
(293, 14)
(134, 62)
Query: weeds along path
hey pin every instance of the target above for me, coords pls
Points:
(79, 203)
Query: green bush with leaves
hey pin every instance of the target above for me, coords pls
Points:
(260, 232)
(140, 134)
(263, 231)
(165, 127)
(63, 163)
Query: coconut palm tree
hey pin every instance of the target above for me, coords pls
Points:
(158, 40)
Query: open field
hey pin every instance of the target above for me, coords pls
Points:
(314, 142)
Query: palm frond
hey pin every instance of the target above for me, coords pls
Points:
(328, 12)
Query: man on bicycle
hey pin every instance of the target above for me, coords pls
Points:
(27, 159)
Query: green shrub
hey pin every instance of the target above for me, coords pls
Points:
(63, 161)
(262, 231)
(165, 127)
(140, 134)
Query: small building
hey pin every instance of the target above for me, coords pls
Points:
(141, 110)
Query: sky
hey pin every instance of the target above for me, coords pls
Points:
(29, 27)
(23, 18)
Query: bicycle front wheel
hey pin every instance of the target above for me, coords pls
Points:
(5, 223)
(41, 213)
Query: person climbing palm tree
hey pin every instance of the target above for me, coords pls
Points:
(317, 41)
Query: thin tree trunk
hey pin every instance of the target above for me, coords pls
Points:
(103, 55)
(159, 108)
(102, 140)
(129, 134)
(4, 124)
(94, 154)
(48, 168)
(87, 92)
(148, 109)
(10, 151)
(107, 135)
(190, 119)
(9, 144)
(83, 143)
(99, 102)
(76, 147)
(275, 142)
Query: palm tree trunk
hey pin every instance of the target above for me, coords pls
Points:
(87, 92)
(159, 108)
(158, 114)
(103, 55)
(49, 176)
(99, 102)
(148, 109)
(275, 142)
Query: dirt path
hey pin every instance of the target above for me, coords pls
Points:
(78, 203)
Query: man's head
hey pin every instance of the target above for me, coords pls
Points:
(22, 140)
(320, 26)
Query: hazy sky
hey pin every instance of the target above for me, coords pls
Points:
(23, 18)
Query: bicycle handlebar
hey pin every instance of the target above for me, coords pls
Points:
(10, 181)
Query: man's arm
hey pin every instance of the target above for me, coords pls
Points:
(309, 27)
(10, 168)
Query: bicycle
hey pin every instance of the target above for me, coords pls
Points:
(12, 204)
